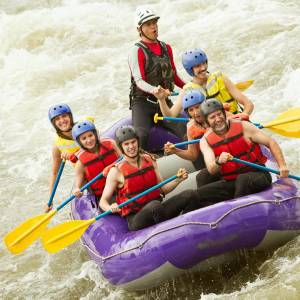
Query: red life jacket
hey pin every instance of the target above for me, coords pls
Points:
(136, 181)
(234, 143)
(194, 130)
(94, 163)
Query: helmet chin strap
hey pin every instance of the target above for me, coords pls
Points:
(143, 34)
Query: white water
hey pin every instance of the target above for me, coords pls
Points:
(76, 52)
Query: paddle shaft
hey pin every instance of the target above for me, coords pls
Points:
(138, 196)
(187, 143)
(183, 120)
(247, 163)
(258, 125)
(83, 188)
(61, 168)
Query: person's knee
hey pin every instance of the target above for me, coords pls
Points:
(158, 213)
(134, 226)
(152, 204)
(193, 201)
(145, 217)
(262, 181)
(253, 182)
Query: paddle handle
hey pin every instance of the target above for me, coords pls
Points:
(61, 168)
(174, 94)
(157, 186)
(247, 163)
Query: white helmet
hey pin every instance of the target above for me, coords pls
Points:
(143, 15)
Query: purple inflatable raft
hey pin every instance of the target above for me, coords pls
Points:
(205, 237)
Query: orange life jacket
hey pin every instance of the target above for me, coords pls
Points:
(234, 143)
(136, 181)
(94, 163)
(194, 130)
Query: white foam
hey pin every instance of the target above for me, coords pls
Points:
(76, 52)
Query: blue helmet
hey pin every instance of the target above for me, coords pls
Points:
(193, 58)
(57, 110)
(193, 97)
(82, 127)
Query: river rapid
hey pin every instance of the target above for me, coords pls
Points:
(75, 51)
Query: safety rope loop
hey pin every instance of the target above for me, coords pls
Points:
(213, 225)
(277, 201)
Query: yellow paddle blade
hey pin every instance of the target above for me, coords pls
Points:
(25, 234)
(64, 234)
(243, 85)
(287, 123)
(295, 134)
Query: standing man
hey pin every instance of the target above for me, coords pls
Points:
(152, 66)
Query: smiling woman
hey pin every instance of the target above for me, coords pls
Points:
(95, 154)
(61, 117)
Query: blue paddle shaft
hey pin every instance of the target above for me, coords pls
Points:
(183, 120)
(81, 190)
(84, 187)
(108, 212)
(198, 140)
(61, 168)
(247, 163)
(187, 143)
(259, 126)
